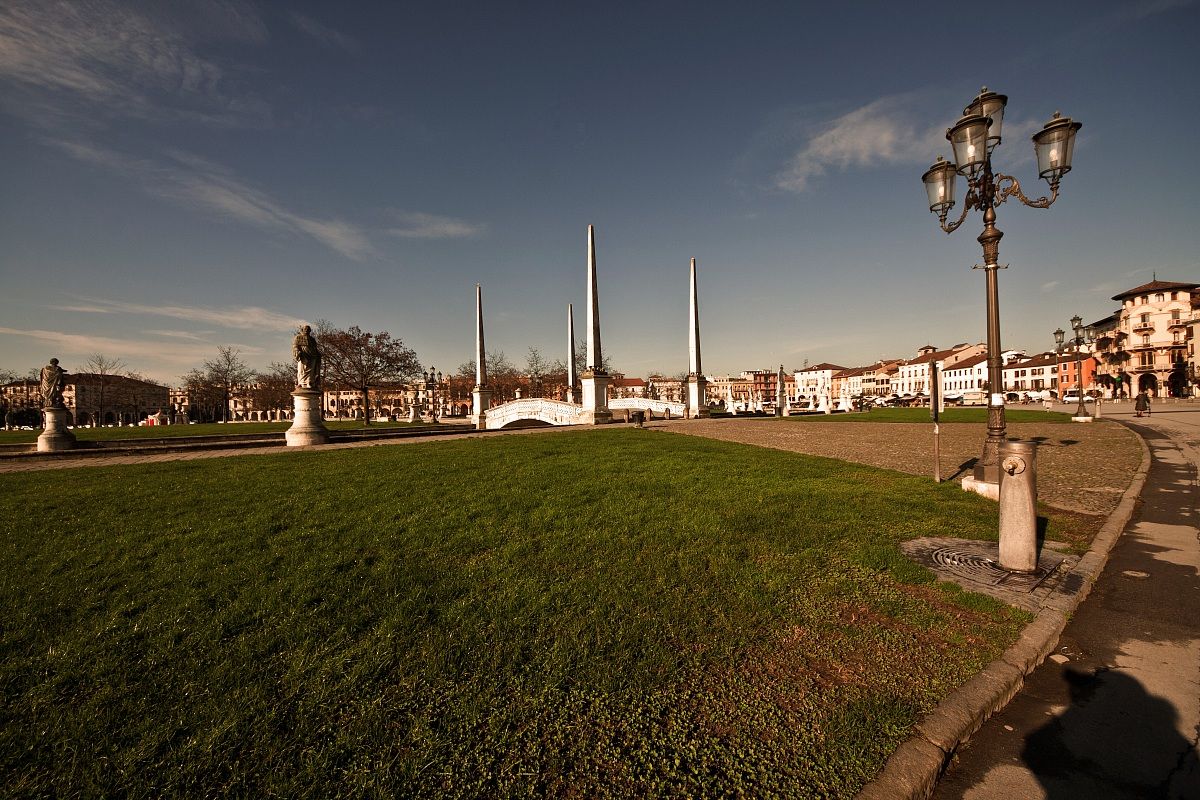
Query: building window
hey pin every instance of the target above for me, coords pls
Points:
(1146, 359)
(1158, 298)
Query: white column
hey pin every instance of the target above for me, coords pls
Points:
(595, 380)
(697, 402)
(481, 395)
(572, 394)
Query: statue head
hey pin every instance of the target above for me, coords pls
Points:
(54, 362)
(306, 330)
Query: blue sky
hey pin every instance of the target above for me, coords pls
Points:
(179, 176)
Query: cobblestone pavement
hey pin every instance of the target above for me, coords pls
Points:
(1081, 467)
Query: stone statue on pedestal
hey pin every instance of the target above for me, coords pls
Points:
(308, 424)
(55, 435)
(52, 385)
(308, 359)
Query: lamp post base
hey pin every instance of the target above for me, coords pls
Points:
(990, 490)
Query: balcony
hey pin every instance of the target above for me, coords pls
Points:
(1178, 323)
(1143, 327)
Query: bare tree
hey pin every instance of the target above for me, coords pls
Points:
(273, 389)
(204, 397)
(105, 372)
(581, 359)
(356, 359)
(227, 371)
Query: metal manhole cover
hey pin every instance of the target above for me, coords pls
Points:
(980, 568)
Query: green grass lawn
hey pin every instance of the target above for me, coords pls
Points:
(202, 429)
(613, 613)
(922, 415)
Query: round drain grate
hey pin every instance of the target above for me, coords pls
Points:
(966, 563)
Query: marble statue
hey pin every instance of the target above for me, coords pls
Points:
(308, 359)
(52, 385)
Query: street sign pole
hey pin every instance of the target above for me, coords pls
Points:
(935, 409)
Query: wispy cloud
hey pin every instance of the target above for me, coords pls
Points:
(883, 132)
(69, 344)
(104, 58)
(188, 335)
(886, 132)
(416, 225)
(194, 181)
(323, 33)
(241, 318)
(1049, 286)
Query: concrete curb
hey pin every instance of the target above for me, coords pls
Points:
(913, 771)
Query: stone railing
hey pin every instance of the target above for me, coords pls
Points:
(553, 412)
(646, 404)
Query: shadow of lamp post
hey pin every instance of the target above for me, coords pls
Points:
(973, 138)
(1080, 336)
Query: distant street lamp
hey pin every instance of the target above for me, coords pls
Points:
(973, 139)
(432, 379)
(1081, 335)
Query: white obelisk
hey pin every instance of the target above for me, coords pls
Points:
(595, 379)
(697, 402)
(572, 393)
(481, 395)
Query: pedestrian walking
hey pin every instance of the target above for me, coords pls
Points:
(1142, 404)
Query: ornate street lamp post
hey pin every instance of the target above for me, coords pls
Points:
(432, 379)
(973, 138)
(1081, 335)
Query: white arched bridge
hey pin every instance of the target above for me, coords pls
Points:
(557, 412)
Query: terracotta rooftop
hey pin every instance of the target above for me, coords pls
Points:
(969, 362)
(1156, 286)
(820, 367)
(1040, 360)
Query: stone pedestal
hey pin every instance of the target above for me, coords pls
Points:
(697, 400)
(308, 427)
(55, 436)
(481, 400)
(595, 398)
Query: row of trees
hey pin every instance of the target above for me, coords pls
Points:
(352, 359)
(110, 390)
(537, 377)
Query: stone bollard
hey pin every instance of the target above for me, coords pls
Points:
(1018, 506)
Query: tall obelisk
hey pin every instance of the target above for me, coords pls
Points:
(481, 395)
(697, 402)
(572, 393)
(595, 379)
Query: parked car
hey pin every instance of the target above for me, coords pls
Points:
(1073, 398)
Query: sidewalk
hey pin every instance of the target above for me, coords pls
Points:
(1115, 712)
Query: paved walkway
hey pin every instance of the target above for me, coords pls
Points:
(1081, 467)
(1115, 712)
